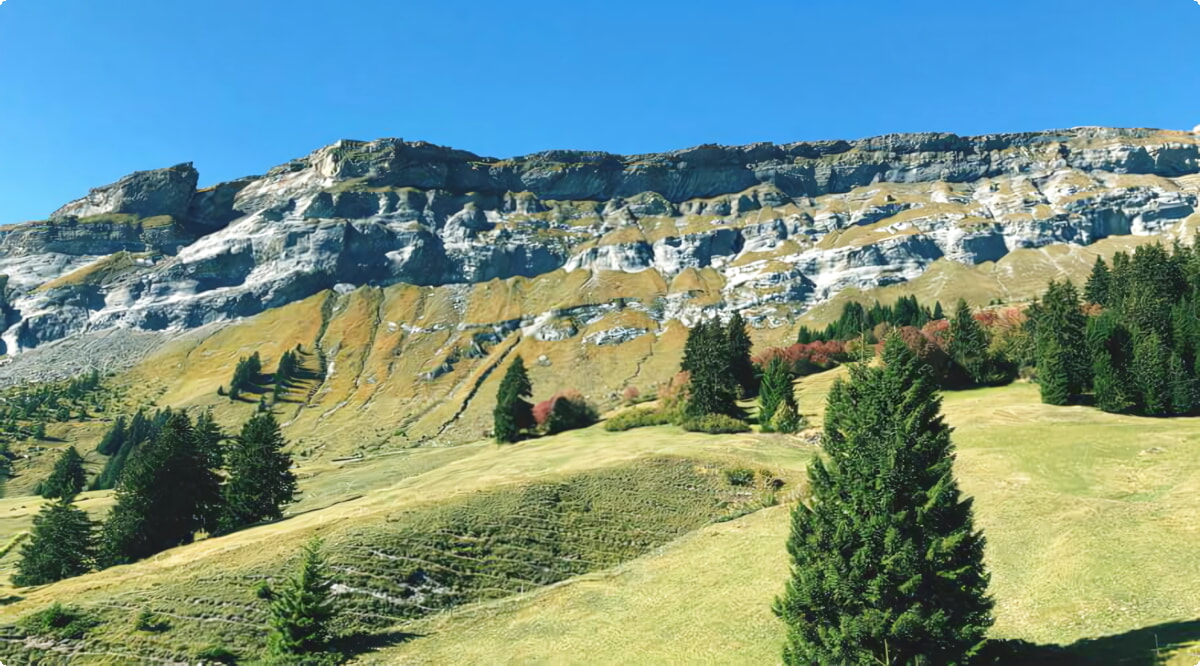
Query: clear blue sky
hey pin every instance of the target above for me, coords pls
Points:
(91, 90)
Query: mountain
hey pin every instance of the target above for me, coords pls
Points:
(405, 277)
(565, 253)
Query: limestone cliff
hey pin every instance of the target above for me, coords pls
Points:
(784, 226)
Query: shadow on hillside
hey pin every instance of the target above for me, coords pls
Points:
(359, 643)
(1147, 646)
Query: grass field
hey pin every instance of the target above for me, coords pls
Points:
(1090, 520)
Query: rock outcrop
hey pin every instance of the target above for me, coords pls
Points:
(785, 226)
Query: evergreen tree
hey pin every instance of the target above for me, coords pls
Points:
(260, 478)
(513, 413)
(302, 609)
(1062, 357)
(968, 346)
(938, 314)
(712, 388)
(887, 566)
(1182, 385)
(776, 384)
(1053, 376)
(113, 438)
(1150, 375)
(786, 419)
(1109, 346)
(166, 493)
(740, 365)
(61, 545)
(67, 479)
(1097, 288)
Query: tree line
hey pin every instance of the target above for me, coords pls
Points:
(1131, 341)
(183, 480)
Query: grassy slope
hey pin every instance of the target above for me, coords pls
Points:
(1090, 526)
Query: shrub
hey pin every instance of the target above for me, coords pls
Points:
(57, 621)
(637, 418)
(630, 395)
(565, 410)
(739, 476)
(147, 622)
(571, 412)
(715, 424)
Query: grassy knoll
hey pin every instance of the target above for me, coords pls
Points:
(411, 534)
(1090, 520)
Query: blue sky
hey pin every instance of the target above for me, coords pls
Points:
(92, 90)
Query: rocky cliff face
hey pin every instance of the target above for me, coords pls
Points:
(784, 226)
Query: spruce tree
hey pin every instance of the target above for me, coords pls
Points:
(786, 419)
(113, 439)
(166, 494)
(740, 365)
(1098, 284)
(1150, 375)
(513, 413)
(260, 478)
(67, 479)
(712, 388)
(1062, 358)
(61, 545)
(887, 566)
(968, 346)
(1109, 347)
(302, 609)
(776, 382)
(1182, 385)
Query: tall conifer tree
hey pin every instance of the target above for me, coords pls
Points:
(67, 479)
(61, 545)
(513, 413)
(1098, 284)
(260, 478)
(165, 495)
(968, 345)
(887, 566)
(302, 609)
(776, 384)
(740, 364)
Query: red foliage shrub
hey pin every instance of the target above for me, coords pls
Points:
(542, 410)
(630, 394)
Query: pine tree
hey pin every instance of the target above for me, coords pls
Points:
(1108, 344)
(513, 413)
(61, 545)
(776, 383)
(740, 365)
(260, 478)
(968, 346)
(166, 493)
(786, 419)
(1053, 377)
(712, 388)
(67, 479)
(937, 314)
(302, 609)
(111, 443)
(1062, 358)
(1182, 385)
(1097, 288)
(887, 566)
(1150, 360)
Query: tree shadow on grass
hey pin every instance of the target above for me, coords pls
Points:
(358, 643)
(1148, 646)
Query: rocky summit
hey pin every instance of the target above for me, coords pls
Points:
(779, 228)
